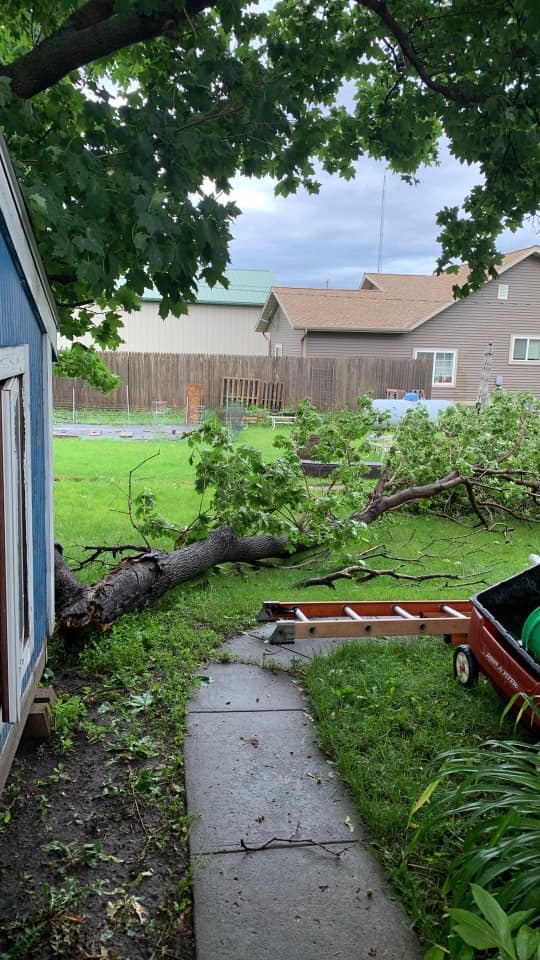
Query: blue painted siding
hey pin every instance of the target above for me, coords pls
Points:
(19, 324)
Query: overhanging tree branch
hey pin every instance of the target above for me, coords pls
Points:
(447, 90)
(91, 33)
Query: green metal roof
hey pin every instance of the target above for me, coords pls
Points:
(246, 288)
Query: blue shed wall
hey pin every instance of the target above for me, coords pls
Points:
(19, 324)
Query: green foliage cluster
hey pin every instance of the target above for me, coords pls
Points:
(256, 496)
(491, 459)
(497, 449)
(492, 791)
(126, 150)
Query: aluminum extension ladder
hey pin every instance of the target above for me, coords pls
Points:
(369, 618)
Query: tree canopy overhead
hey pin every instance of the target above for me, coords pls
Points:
(127, 120)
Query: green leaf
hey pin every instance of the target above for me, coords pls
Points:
(473, 929)
(495, 916)
(527, 942)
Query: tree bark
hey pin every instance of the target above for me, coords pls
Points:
(92, 32)
(143, 578)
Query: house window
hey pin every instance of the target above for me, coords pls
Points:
(14, 578)
(278, 349)
(444, 365)
(525, 349)
(502, 293)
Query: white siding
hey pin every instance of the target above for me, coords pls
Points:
(207, 328)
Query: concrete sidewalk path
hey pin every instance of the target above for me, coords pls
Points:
(283, 867)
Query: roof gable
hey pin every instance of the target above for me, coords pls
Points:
(384, 303)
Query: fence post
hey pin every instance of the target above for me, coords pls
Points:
(73, 417)
(127, 402)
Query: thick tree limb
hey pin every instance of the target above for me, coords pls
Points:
(92, 32)
(138, 580)
(380, 503)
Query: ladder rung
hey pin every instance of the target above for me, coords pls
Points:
(453, 613)
(351, 613)
(404, 613)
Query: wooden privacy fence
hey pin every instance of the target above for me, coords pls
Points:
(156, 380)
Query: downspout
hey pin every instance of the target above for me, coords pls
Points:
(302, 344)
(268, 340)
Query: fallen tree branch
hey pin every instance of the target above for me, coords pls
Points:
(114, 551)
(369, 573)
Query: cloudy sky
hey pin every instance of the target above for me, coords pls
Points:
(332, 238)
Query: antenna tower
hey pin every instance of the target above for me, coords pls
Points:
(381, 226)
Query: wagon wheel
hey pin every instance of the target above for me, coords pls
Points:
(465, 666)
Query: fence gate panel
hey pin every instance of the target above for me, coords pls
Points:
(242, 390)
(323, 387)
(272, 394)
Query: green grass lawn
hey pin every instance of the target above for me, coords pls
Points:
(384, 709)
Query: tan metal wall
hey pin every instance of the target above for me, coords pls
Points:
(207, 328)
(467, 326)
(155, 377)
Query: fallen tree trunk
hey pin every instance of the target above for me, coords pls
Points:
(145, 577)
(148, 575)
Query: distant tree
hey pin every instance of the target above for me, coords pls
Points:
(127, 120)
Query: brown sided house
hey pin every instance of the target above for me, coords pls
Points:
(403, 315)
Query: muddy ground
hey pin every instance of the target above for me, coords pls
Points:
(93, 841)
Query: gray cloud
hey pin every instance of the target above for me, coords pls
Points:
(332, 238)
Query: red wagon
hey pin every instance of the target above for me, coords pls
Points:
(487, 630)
(499, 617)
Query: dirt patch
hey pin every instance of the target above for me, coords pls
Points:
(93, 842)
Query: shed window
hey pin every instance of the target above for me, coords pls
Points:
(502, 292)
(526, 349)
(444, 365)
(278, 349)
(14, 618)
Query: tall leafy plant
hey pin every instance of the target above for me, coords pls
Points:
(487, 799)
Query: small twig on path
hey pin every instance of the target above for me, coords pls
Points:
(295, 842)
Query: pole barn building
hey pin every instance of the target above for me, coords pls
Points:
(27, 344)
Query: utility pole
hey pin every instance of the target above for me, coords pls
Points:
(483, 386)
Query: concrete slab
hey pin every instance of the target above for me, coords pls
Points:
(240, 686)
(301, 904)
(255, 646)
(254, 776)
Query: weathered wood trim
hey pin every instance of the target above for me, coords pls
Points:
(16, 730)
(48, 453)
(20, 237)
(14, 363)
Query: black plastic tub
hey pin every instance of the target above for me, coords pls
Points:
(507, 605)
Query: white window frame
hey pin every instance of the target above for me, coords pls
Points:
(522, 336)
(278, 349)
(435, 350)
(14, 366)
(502, 291)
